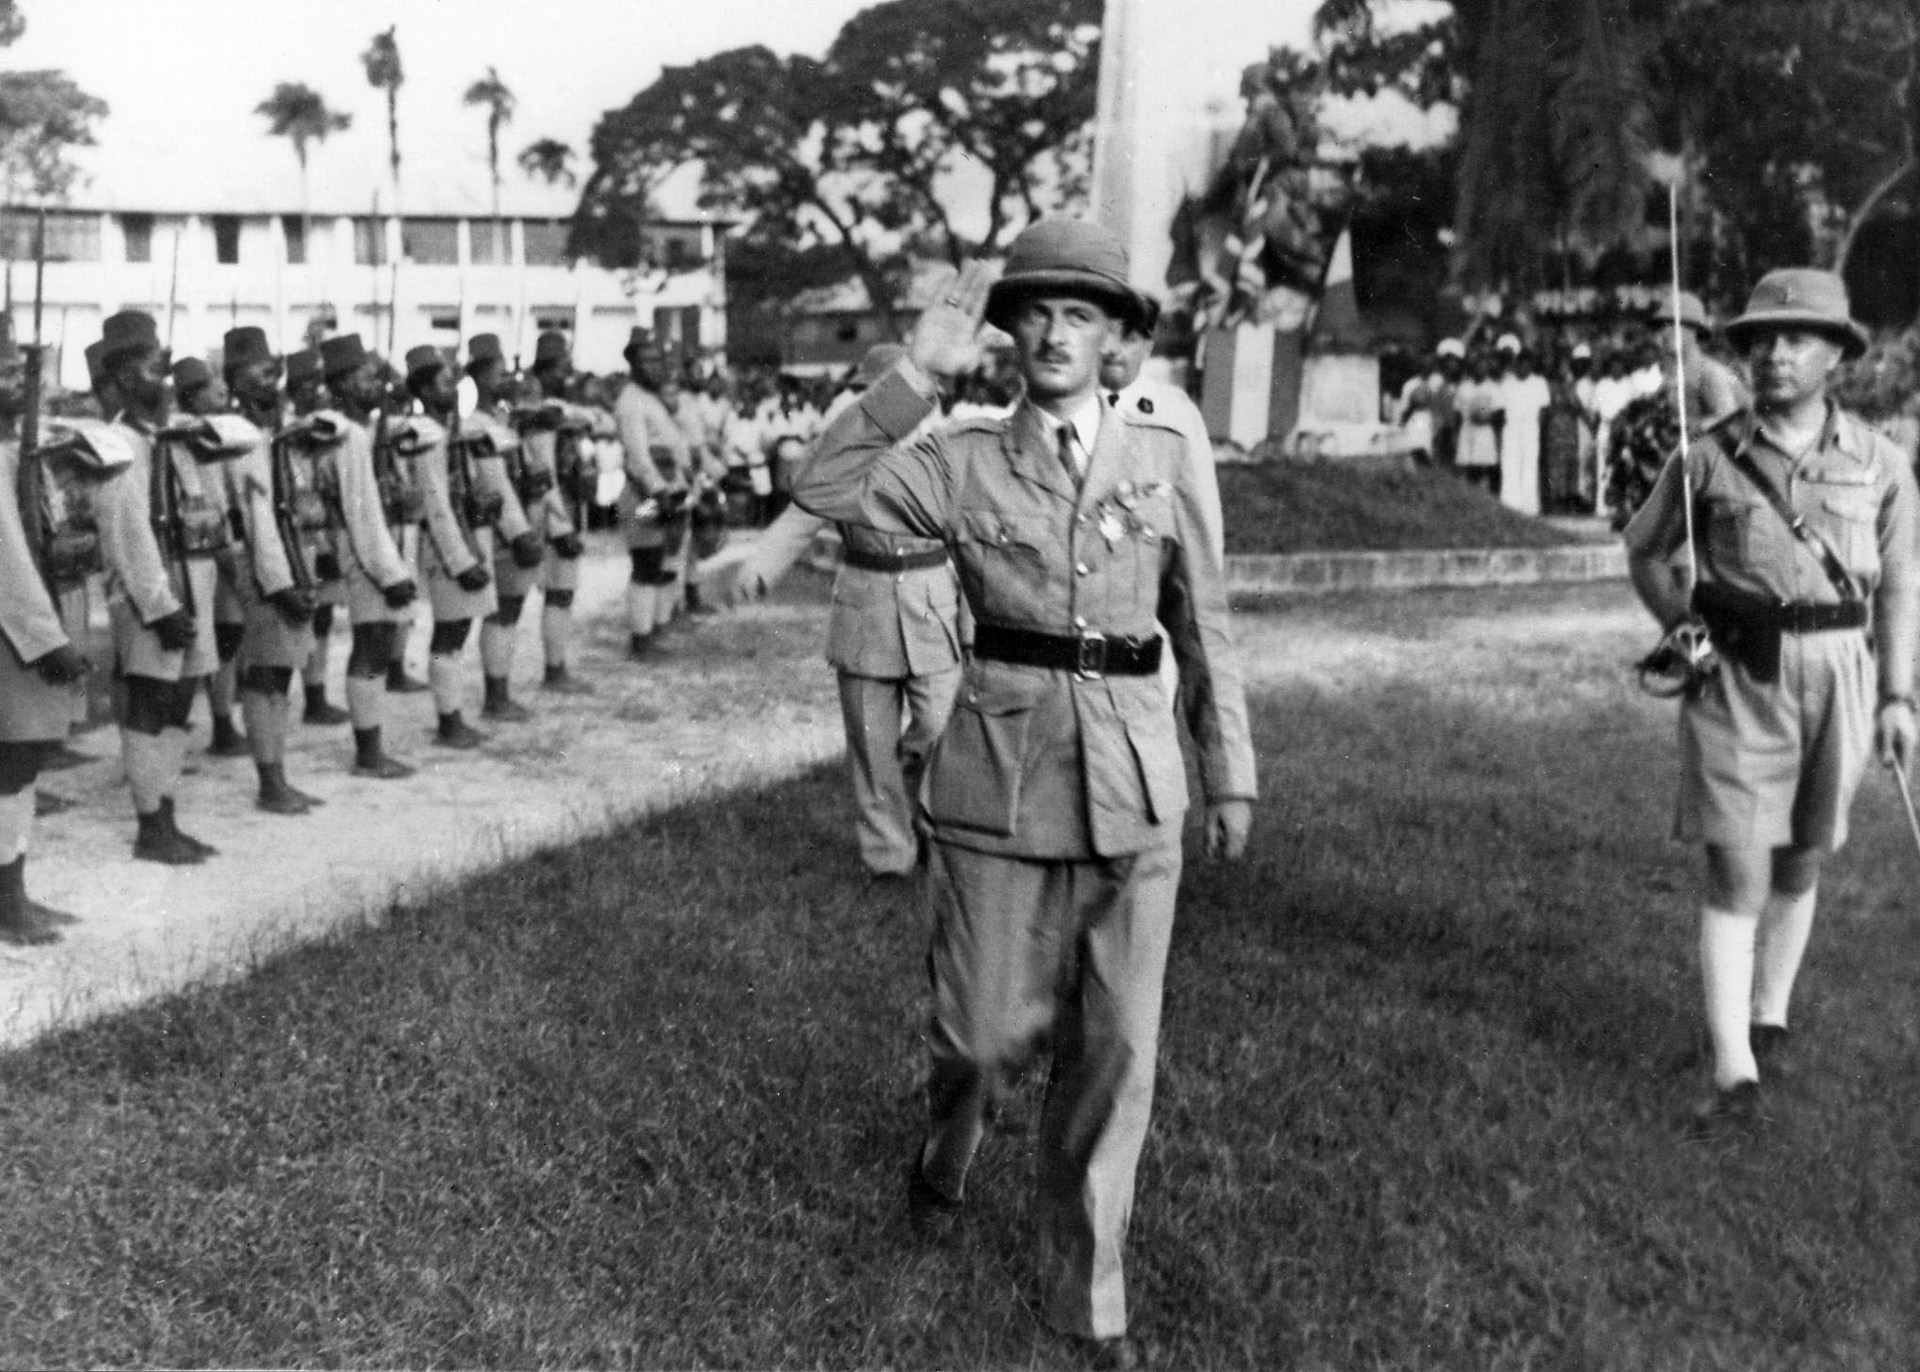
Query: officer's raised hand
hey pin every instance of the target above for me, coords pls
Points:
(946, 340)
(1894, 732)
(1227, 824)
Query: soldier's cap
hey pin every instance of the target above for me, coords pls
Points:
(1800, 298)
(129, 331)
(96, 364)
(482, 349)
(1067, 257)
(1450, 347)
(1507, 343)
(342, 353)
(189, 374)
(423, 359)
(642, 346)
(303, 366)
(881, 358)
(550, 347)
(1693, 314)
(1149, 317)
(244, 346)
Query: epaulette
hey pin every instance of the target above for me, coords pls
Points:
(326, 427)
(215, 437)
(1141, 414)
(93, 442)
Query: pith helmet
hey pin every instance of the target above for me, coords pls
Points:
(1800, 298)
(1069, 256)
(1693, 314)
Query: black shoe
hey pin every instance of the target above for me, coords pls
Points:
(455, 732)
(1772, 1046)
(321, 713)
(564, 683)
(400, 684)
(1735, 1110)
(931, 1214)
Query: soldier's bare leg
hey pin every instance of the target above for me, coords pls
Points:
(443, 675)
(23, 921)
(367, 664)
(641, 595)
(222, 691)
(313, 675)
(153, 743)
(266, 705)
(497, 638)
(556, 636)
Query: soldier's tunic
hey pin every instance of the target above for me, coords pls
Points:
(656, 457)
(1765, 765)
(262, 564)
(1055, 799)
(32, 710)
(363, 523)
(455, 525)
(556, 452)
(158, 565)
(498, 467)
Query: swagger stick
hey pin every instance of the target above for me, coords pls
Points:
(1680, 374)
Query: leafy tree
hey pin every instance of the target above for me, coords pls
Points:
(299, 113)
(550, 160)
(492, 93)
(385, 73)
(43, 115)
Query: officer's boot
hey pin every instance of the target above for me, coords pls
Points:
(500, 704)
(23, 922)
(370, 757)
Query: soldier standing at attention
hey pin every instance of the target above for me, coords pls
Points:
(1057, 794)
(159, 532)
(1808, 585)
(517, 551)
(553, 441)
(273, 578)
(197, 391)
(379, 582)
(656, 464)
(457, 548)
(307, 395)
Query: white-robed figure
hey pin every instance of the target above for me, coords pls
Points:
(1523, 397)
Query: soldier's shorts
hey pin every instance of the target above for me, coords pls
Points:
(272, 642)
(1767, 766)
(138, 647)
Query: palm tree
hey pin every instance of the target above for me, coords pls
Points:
(492, 92)
(298, 113)
(384, 73)
(549, 159)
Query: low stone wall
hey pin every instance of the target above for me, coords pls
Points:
(1310, 573)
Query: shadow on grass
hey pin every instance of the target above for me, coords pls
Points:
(644, 1101)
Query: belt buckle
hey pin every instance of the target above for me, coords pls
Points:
(1090, 655)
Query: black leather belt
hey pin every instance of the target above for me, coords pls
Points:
(893, 562)
(1800, 617)
(1084, 654)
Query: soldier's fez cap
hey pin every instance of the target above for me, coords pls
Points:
(342, 353)
(244, 346)
(1069, 257)
(483, 348)
(129, 331)
(550, 346)
(881, 358)
(1693, 314)
(1800, 298)
(423, 359)
(96, 363)
(189, 373)
(303, 366)
(642, 346)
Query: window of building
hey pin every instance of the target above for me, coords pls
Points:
(370, 241)
(432, 241)
(490, 242)
(226, 239)
(70, 237)
(442, 319)
(137, 229)
(294, 228)
(558, 320)
(546, 242)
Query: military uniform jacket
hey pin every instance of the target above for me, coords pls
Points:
(246, 485)
(1037, 762)
(550, 515)
(366, 542)
(655, 456)
(1854, 487)
(139, 569)
(32, 710)
(490, 474)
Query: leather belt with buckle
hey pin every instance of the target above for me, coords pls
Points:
(1088, 654)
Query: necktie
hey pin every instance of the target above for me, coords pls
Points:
(1069, 455)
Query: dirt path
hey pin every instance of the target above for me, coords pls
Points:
(730, 703)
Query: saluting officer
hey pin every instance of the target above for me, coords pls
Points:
(1056, 795)
(273, 577)
(159, 532)
(456, 550)
(552, 434)
(306, 396)
(379, 581)
(1807, 583)
(657, 462)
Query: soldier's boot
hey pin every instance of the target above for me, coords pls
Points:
(400, 683)
(696, 607)
(158, 841)
(639, 647)
(228, 741)
(276, 797)
(500, 704)
(24, 922)
(370, 757)
(318, 711)
(562, 682)
(455, 732)
(205, 849)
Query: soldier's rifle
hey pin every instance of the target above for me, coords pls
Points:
(462, 489)
(280, 475)
(31, 478)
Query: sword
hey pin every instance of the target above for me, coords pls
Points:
(1906, 799)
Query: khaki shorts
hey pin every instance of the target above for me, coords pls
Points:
(138, 649)
(1777, 765)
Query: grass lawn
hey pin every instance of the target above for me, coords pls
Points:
(1299, 507)
(644, 1101)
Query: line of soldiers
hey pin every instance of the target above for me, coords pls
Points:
(231, 515)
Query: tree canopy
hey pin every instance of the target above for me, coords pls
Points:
(43, 115)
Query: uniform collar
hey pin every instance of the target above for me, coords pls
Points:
(1085, 420)
(1838, 433)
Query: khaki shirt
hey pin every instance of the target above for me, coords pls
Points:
(366, 539)
(1038, 762)
(139, 570)
(491, 474)
(1854, 487)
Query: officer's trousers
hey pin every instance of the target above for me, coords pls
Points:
(1028, 954)
(886, 758)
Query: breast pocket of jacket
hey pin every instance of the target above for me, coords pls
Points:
(1007, 554)
(974, 778)
(1745, 533)
(1848, 518)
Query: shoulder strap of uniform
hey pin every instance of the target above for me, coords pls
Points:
(1842, 579)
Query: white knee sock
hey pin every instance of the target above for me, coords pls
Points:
(1726, 975)
(367, 700)
(1785, 924)
(640, 609)
(443, 675)
(556, 629)
(145, 758)
(266, 727)
(16, 824)
(496, 649)
(314, 673)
